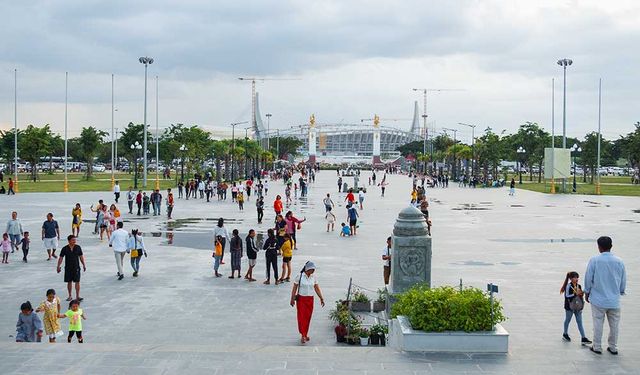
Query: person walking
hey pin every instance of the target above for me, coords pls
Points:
(277, 205)
(328, 203)
(11, 184)
(136, 247)
(352, 216)
(573, 305)
(73, 256)
(139, 201)
(180, 188)
(304, 288)
(286, 249)
(50, 235)
(293, 224)
(252, 253)
(14, 230)
(605, 281)
(361, 195)
(386, 259)
(116, 191)
(154, 199)
(512, 187)
(271, 256)
(221, 231)
(169, 203)
(131, 197)
(76, 219)
(118, 241)
(339, 183)
(235, 247)
(260, 208)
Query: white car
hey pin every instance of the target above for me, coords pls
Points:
(99, 168)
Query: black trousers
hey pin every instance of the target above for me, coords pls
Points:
(25, 252)
(223, 243)
(130, 206)
(260, 214)
(117, 196)
(272, 261)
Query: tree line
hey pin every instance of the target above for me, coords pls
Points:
(199, 151)
(491, 148)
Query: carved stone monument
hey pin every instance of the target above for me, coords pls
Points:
(410, 252)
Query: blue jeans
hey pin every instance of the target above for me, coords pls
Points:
(135, 262)
(15, 239)
(567, 320)
(216, 263)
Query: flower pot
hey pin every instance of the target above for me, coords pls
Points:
(351, 340)
(340, 339)
(378, 306)
(361, 306)
(375, 340)
(382, 340)
(364, 341)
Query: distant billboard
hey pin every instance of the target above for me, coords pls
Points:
(557, 163)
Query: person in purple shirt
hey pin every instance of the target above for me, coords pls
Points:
(605, 281)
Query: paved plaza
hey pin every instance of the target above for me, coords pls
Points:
(176, 318)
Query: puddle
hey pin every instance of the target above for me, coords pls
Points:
(542, 240)
(472, 263)
(195, 240)
(636, 211)
(486, 203)
(591, 202)
(510, 263)
(549, 205)
(517, 205)
(470, 207)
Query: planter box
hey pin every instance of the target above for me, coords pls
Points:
(361, 306)
(403, 337)
(379, 306)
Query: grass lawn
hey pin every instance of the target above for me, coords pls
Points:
(587, 189)
(77, 182)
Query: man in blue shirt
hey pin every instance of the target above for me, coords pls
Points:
(605, 281)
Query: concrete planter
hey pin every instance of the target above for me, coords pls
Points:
(403, 337)
(379, 306)
(361, 306)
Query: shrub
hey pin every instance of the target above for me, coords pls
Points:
(379, 329)
(343, 316)
(359, 296)
(382, 295)
(363, 333)
(448, 309)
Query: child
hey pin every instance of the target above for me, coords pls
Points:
(75, 315)
(217, 254)
(240, 200)
(6, 248)
(331, 220)
(25, 241)
(29, 326)
(345, 232)
(51, 308)
(572, 290)
(145, 203)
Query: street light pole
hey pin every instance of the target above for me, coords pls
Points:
(473, 139)
(157, 144)
(268, 130)
(520, 151)
(574, 151)
(553, 135)
(15, 130)
(146, 61)
(136, 147)
(183, 149)
(455, 141)
(564, 63)
(113, 178)
(66, 90)
(599, 136)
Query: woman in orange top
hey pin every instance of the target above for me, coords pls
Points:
(277, 205)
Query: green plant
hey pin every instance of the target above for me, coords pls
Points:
(363, 333)
(342, 316)
(379, 329)
(382, 295)
(448, 309)
(359, 296)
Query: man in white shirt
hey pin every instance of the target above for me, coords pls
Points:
(118, 241)
(116, 191)
(131, 197)
(386, 258)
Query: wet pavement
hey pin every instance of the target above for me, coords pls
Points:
(177, 318)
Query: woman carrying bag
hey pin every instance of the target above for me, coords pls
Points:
(573, 305)
(137, 249)
(304, 288)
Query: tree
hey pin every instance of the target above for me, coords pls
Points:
(489, 150)
(89, 144)
(220, 150)
(7, 139)
(411, 148)
(33, 144)
(288, 146)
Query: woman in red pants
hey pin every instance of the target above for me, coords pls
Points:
(304, 288)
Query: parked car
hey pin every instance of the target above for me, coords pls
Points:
(99, 168)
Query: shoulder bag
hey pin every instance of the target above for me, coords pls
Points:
(576, 304)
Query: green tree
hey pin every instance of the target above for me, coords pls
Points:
(33, 144)
(288, 146)
(89, 144)
(489, 150)
(7, 146)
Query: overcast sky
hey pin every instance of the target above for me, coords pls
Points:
(353, 58)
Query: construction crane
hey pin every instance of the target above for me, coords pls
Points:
(253, 92)
(424, 116)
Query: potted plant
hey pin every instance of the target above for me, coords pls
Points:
(381, 302)
(352, 339)
(360, 301)
(377, 334)
(364, 336)
(341, 333)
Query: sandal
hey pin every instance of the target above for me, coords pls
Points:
(69, 299)
(267, 282)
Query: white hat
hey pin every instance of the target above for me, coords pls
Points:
(309, 266)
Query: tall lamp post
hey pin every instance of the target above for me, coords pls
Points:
(575, 149)
(268, 129)
(473, 138)
(66, 91)
(157, 142)
(136, 147)
(521, 152)
(15, 130)
(146, 61)
(183, 150)
(564, 63)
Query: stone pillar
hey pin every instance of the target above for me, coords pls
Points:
(410, 251)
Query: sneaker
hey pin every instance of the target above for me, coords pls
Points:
(586, 341)
(135, 274)
(566, 337)
(595, 350)
(120, 277)
(612, 352)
